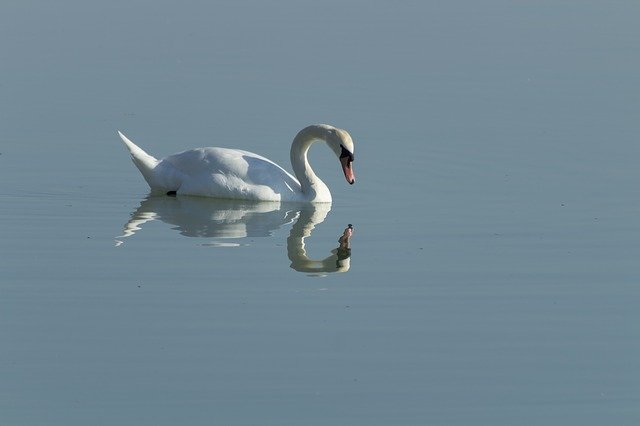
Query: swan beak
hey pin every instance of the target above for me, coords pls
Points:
(347, 169)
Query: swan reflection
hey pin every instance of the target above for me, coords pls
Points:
(236, 219)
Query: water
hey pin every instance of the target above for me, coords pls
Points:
(492, 273)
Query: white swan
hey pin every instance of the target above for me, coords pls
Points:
(237, 174)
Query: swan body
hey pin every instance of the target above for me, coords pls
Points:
(237, 174)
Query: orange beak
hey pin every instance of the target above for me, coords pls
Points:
(347, 169)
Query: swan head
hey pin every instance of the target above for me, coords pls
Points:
(341, 144)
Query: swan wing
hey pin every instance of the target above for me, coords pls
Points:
(229, 173)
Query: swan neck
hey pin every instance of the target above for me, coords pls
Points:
(310, 184)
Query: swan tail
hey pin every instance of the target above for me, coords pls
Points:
(143, 161)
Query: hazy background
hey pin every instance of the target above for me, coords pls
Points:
(494, 273)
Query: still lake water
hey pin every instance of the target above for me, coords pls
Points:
(492, 276)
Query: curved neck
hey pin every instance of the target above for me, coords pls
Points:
(311, 184)
(310, 216)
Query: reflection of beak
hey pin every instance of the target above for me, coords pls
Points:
(347, 169)
(344, 250)
(346, 236)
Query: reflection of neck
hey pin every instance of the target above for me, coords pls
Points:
(310, 216)
(311, 184)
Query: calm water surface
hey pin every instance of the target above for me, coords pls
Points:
(492, 275)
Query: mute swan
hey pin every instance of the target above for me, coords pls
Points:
(237, 174)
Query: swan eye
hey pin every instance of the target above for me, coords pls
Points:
(345, 153)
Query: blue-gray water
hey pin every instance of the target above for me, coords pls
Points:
(493, 271)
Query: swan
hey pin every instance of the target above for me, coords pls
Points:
(237, 174)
